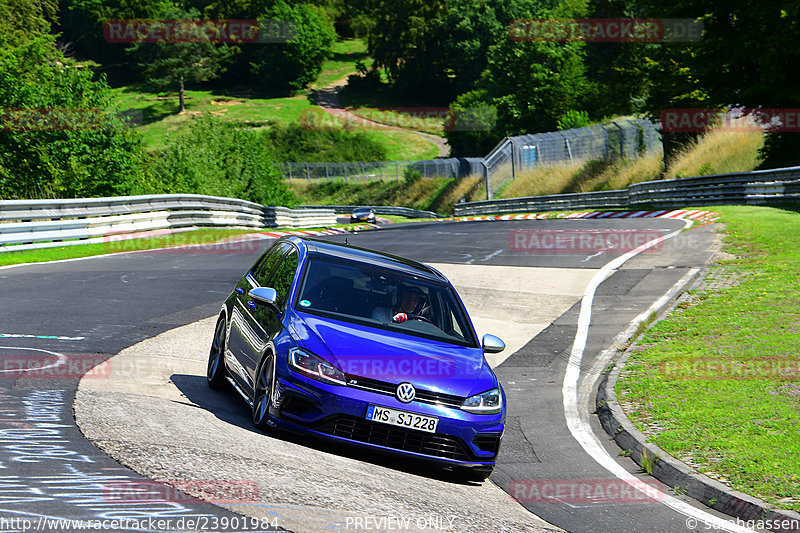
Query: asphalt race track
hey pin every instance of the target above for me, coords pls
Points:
(89, 310)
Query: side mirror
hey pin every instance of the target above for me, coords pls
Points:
(492, 344)
(263, 296)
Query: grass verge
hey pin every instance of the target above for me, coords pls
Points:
(717, 383)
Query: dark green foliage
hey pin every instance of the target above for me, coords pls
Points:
(439, 49)
(219, 158)
(61, 136)
(780, 150)
(748, 57)
(619, 82)
(534, 83)
(411, 176)
(291, 66)
(81, 24)
(24, 20)
(295, 143)
(480, 136)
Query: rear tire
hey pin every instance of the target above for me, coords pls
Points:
(215, 373)
(262, 399)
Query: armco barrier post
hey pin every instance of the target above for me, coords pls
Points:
(486, 179)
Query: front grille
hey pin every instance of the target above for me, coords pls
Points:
(384, 387)
(438, 397)
(408, 440)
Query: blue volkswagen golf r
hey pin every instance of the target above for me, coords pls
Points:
(361, 347)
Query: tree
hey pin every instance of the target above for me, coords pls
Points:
(167, 63)
(439, 49)
(291, 65)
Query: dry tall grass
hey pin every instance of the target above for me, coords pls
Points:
(541, 181)
(470, 188)
(583, 177)
(718, 152)
(624, 172)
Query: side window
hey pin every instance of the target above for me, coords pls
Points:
(263, 270)
(282, 279)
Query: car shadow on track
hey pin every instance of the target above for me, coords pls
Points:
(228, 407)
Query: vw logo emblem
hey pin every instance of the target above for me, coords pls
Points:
(405, 392)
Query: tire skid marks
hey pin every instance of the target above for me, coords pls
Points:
(33, 431)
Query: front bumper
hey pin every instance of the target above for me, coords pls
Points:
(338, 413)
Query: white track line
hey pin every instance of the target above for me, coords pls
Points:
(61, 359)
(581, 430)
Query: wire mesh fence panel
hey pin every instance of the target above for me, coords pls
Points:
(362, 171)
(628, 138)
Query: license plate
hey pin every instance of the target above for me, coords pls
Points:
(404, 419)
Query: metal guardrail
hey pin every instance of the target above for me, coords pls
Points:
(379, 210)
(758, 187)
(27, 224)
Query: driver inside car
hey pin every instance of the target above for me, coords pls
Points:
(409, 304)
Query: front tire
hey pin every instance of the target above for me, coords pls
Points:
(262, 399)
(215, 373)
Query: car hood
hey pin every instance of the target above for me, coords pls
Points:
(393, 357)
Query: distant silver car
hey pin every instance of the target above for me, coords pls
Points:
(363, 214)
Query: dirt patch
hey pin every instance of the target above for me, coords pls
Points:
(226, 102)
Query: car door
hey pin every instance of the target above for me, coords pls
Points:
(245, 342)
(266, 320)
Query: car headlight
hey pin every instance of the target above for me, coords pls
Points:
(485, 403)
(315, 367)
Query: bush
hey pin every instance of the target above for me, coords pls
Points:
(62, 136)
(573, 119)
(214, 157)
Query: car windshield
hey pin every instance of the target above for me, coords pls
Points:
(372, 296)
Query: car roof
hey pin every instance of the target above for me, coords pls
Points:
(353, 254)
